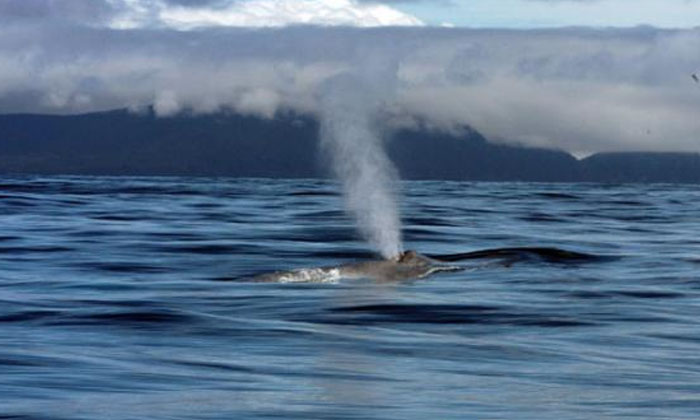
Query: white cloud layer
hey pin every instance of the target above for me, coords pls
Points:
(192, 14)
(576, 89)
(289, 12)
(256, 13)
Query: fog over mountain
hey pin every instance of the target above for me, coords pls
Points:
(581, 90)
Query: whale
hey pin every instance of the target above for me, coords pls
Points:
(408, 265)
(413, 265)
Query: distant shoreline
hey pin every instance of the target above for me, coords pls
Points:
(119, 142)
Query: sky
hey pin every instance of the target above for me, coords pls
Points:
(578, 75)
(555, 13)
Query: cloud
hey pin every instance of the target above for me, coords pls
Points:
(433, 2)
(268, 13)
(580, 90)
(576, 89)
(190, 14)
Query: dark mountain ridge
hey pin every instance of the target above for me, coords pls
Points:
(226, 144)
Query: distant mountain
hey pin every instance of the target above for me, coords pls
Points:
(423, 154)
(124, 143)
(642, 167)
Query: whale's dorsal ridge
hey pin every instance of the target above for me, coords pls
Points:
(408, 265)
(413, 265)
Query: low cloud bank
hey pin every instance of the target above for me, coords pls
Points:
(580, 90)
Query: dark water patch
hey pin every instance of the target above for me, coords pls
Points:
(153, 317)
(35, 359)
(118, 217)
(25, 359)
(147, 190)
(111, 302)
(222, 216)
(57, 202)
(37, 249)
(10, 362)
(204, 249)
(444, 314)
(637, 294)
(25, 187)
(641, 218)
(19, 202)
(472, 210)
(446, 210)
(103, 286)
(100, 234)
(541, 218)
(225, 367)
(626, 203)
(175, 236)
(313, 193)
(206, 206)
(557, 196)
(550, 255)
(587, 294)
(323, 215)
(129, 319)
(642, 230)
(642, 319)
(226, 278)
(687, 338)
(429, 221)
(28, 316)
(126, 267)
(649, 294)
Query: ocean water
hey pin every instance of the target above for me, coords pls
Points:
(127, 298)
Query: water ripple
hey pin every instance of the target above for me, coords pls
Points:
(577, 301)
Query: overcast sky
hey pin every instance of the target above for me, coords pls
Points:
(514, 69)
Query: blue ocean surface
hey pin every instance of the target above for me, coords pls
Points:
(127, 298)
